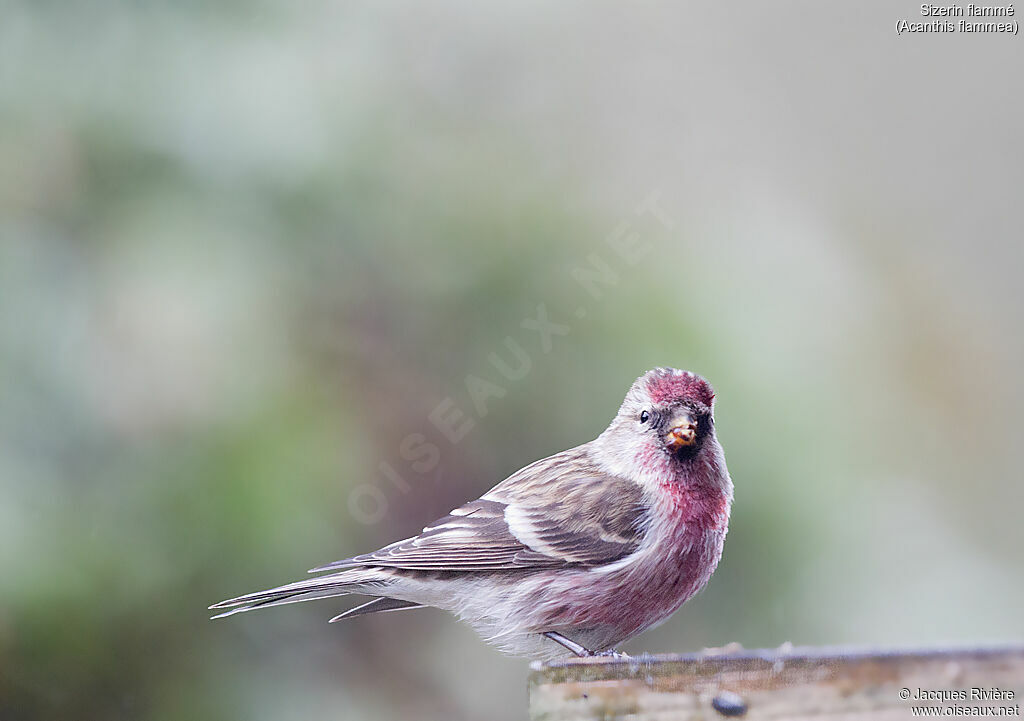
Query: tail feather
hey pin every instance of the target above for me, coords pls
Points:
(381, 604)
(340, 584)
(335, 565)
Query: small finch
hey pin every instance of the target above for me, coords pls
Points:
(573, 553)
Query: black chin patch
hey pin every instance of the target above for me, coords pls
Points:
(685, 453)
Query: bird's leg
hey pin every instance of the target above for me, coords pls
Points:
(568, 643)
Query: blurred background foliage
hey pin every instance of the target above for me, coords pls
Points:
(248, 247)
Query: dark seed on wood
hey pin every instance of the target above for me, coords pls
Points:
(728, 703)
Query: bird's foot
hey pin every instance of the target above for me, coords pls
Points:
(580, 650)
(612, 653)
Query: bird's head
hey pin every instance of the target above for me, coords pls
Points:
(666, 416)
(671, 409)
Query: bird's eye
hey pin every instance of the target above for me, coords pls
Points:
(644, 416)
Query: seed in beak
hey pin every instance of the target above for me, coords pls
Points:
(682, 435)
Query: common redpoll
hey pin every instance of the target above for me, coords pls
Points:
(573, 553)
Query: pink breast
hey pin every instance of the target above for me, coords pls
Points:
(673, 569)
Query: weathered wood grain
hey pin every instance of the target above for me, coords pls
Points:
(784, 683)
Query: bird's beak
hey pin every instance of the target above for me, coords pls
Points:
(682, 432)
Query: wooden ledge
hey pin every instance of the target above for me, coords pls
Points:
(782, 683)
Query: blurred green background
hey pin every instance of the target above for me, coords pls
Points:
(247, 248)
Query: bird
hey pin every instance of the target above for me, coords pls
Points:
(572, 554)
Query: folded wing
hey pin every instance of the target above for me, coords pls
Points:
(560, 511)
